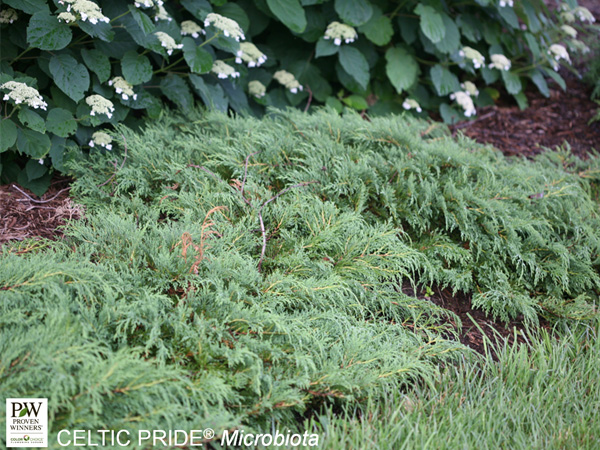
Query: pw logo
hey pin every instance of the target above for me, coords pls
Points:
(27, 422)
(26, 409)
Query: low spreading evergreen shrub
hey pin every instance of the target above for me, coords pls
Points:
(241, 272)
(70, 69)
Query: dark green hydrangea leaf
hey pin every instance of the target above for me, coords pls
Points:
(29, 6)
(325, 47)
(212, 95)
(70, 76)
(32, 143)
(378, 30)
(290, 12)
(432, 23)
(445, 82)
(512, 82)
(136, 68)
(198, 59)
(176, 89)
(354, 12)
(97, 62)
(61, 122)
(144, 22)
(34, 169)
(355, 64)
(8, 134)
(32, 120)
(401, 68)
(47, 33)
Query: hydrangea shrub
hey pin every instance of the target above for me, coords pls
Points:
(70, 68)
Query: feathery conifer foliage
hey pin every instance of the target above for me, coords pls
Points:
(235, 271)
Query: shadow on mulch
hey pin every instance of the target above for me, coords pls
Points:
(24, 215)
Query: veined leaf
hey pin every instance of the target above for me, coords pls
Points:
(512, 82)
(354, 12)
(97, 62)
(136, 68)
(445, 82)
(176, 89)
(378, 29)
(61, 122)
(355, 64)
(32, 120)
(212, 95)
(144, 22)
(8, 134)
(325, 47)
(71, 77)
(401, 68)
(47, 33)
(199, 60)
(29, 6)
(432, 23)
(290, 12)
(32, 143)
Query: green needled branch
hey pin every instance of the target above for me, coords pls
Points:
(262, 224)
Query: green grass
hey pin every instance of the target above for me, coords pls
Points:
(165, 308)
(545, 396)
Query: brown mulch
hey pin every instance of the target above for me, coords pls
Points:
(548, 122)
(24, 215)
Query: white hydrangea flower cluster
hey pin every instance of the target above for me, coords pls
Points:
(224, 70)
(558, 52)
(8, 15)
(102, 139)
(191, 28)
(505, 3)
(66, 17)
(584, 14)
(162, 14)
(123, 87)
(167, 42)
(580, 12)
(229, 27)
(257, 89)
(569, 31)
(470, 88)
(473, 55)
(580, 46)
(148, 3)
(500, 62)
(465, 101)
(100, 105)
(409, 103)
(87, 10)
(340, 32)
(250, 54)
(288, 80)
(21, 93)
